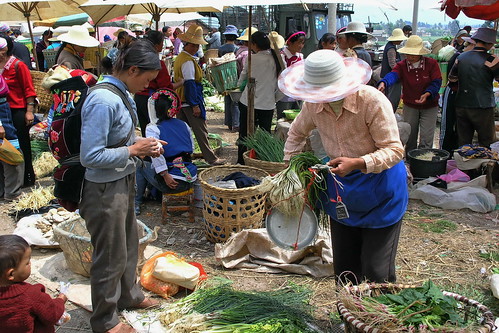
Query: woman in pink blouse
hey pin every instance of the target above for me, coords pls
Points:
(360, 136)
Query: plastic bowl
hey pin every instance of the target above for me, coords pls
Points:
(291, 114)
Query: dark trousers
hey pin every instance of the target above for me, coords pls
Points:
(200, 130)
(108, 211)
(25, 144)
(448, 132)
(263, 119)
(142, 112)
(479, 120)
(363, 253)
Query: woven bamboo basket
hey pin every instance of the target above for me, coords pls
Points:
(355, 325)
(44, 96)
(231, 210)
(74, 240)
(271, 167)
(224, 76)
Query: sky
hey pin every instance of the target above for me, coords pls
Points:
(426, 13)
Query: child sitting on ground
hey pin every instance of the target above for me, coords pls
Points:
(24, 307)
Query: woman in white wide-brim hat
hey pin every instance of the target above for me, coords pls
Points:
(356, 34)
(360, 136)
(421, 80)
(390, 58)
(74, 44)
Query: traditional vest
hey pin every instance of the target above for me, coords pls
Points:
(385, 66)
(177, 70)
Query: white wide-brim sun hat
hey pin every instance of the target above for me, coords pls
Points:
(78, 35)
(324, 76)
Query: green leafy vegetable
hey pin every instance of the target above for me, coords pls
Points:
(267, 147)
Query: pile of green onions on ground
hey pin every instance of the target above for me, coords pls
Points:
(267, 147)
(221, 309)
(291, 188)
(420, 309)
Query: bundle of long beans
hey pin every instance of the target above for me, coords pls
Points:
(222, 309)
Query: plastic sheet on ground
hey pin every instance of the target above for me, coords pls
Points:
(252, 249)
(144, 322)
(472, 195)
(52, 269)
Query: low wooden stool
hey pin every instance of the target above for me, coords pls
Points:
(177, 202)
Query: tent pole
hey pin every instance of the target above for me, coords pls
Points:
(33, 50)
(251, 81)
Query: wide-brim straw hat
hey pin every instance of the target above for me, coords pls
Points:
(78, 35)
(355, 27)
(278, 39)
(414, 46)
(397, 36)
(324, 76)
(117, 32)
(194, 35)
(245, 35)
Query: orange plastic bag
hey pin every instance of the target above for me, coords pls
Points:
(163, 288)
(148, 281)
(9, 154)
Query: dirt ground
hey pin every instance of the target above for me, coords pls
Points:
(456, 249)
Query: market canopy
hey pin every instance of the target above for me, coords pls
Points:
(104, 10)
(477, 9)
(69, 20)
(20, 10)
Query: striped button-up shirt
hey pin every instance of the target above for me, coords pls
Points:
(365, 127)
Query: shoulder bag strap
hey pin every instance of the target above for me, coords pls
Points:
(111, 87)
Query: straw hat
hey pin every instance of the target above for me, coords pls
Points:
(193, 35)
(355, 27)
(324, 76)
(117, 32)
(278, 39)
(397, 35)
(244, 35)
(414, 46)
(174, 104)
(78, 35)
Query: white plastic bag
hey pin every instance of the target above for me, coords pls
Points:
(462, 195)
(26, 228)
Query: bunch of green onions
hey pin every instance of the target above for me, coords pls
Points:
(267, 147)
(221, 309)
(295, 186)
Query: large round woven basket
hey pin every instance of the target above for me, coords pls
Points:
(231, 210)
(44, 96)
(354, 325)
(271, 167)
(74, 240)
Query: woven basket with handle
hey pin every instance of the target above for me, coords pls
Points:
(354, 324)
(44, 96)
(231, 210)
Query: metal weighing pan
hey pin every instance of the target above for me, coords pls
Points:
(283, 230)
